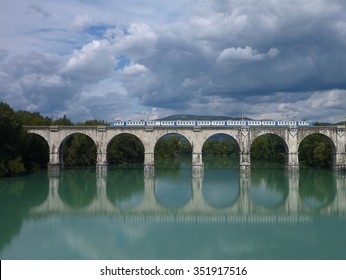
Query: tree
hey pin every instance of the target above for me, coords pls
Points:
(29, 118)
(12, 139)
(93, 122)
(63, 121)
(79, 150)
(125, 148)
(315, 150)
(170, 148)
(268, 148)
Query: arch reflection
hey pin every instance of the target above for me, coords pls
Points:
(173, 187)
(221, 187)
(77, 187)
(125, 187)
(269, 188)
(317, 188)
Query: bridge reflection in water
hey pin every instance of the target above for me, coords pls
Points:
(243, 197)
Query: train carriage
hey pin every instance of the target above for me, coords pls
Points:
(135, 123)
(286, 123)
(254, 123)
(186, 123)
(168, 123)
(304, 123)
(268, 123)
(153, 123)
(203, 123)
(218, 123)
(236, 123)
(118, 123)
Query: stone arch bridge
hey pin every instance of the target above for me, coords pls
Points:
(244, 136)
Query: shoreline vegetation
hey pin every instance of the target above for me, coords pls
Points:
(22, 153)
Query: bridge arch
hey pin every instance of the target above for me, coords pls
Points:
(328, 136)
(69, 134)
(314, 147)
(90, 150)
(272, 133)
(130, 148)
(42, 134)
(269, 138)
(220, 145)
(170, 145)
(233, 134)
(38, 151)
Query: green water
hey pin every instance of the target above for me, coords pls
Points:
(264, 214)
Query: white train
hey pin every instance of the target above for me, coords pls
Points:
(227, 123)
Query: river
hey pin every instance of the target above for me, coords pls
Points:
(121, 214)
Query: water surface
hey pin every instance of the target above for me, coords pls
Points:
(264, 214)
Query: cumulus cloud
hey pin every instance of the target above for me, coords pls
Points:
(243, 55)
(92, 62)
(137, 41)
(135, 69)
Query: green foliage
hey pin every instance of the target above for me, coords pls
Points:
(19, 151)
(315, 150)
(220, 152)
(16, 166)
(79, 150)
(220, 148)
(93, 122)
(63, 121)
(79, 188)
(29, 118)
(268, 148)
(316, 187)
(171, 148)
(12, 139)
(36, 155)
(122, 184)
(125, 148)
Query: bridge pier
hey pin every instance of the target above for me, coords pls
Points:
(149, 170)
(339, 161)
(55, 163)
(197, 165)
(55, 167)
(339, 167)
(149, 164)
(101, 167)
(244, 161)
(292, 162)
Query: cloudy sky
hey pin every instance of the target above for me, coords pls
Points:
(137, 59)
